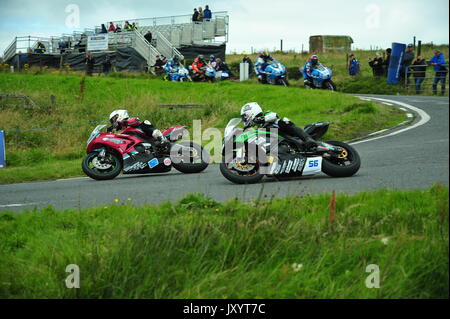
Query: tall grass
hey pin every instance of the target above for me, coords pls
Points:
(198, 248)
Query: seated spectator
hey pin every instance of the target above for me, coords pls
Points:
(377, 65)
(112, 28)
(134, 26)
(207, 15)
(223, 67)
(195, 15)
(127, 26)
(40, 48)
(353, 66)
(103, 29)
(118, 28)
(148, 37)
(159, 64)
(419, 68)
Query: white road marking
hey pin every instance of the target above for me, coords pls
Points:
(409, 115)
(402, 108)
(19, 205)
(424, 118)
(378, 132)
(388, 104)
(70, 179)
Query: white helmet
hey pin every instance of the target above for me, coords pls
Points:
(249, 111)
(118, 115)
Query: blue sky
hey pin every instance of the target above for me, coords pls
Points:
(258, 24)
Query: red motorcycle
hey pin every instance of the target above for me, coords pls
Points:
(130, 152)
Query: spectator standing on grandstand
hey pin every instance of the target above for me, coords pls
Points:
(90, 62)
(419, 68)
(387, 60)
(195, 15)
(407, 60)
(353, 66)
(438, 62)
(377, 65)
(201, 15)
(134, 26)
(148, 37)
(40, 48)
(207, 15)
(112, 28)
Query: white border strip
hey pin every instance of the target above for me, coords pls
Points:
(424, 118)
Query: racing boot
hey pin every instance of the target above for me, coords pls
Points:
(310, 143)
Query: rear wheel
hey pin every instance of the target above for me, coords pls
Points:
(345, 165)
(189, 157)
(101, 168)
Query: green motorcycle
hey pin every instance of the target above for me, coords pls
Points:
(250, 154)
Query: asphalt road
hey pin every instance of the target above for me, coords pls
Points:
(411, 159)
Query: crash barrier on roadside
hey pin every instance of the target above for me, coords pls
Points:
(415, 82)
(395, 63)
(2, 149)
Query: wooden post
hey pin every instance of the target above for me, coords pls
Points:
(419, 48)
(281, 45)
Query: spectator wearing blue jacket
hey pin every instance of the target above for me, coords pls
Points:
(353, 66)
(438, 62)
(207, 15)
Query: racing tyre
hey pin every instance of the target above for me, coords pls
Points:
(237, 177)
(108, 168)
(329, 85)
(189, 157)
(346, 165)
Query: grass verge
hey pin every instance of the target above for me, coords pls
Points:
(198, 248)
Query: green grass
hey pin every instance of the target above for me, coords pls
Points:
(75, 114)
(199, 248)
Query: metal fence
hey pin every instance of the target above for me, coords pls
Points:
(433, 82)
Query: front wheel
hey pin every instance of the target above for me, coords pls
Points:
(329, 85)
(101, 168)
(189, 157)
(346, 164)
(241, 173)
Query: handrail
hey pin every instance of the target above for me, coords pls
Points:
(165, 47)
(148, 52)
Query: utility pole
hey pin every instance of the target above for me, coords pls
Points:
(281, 45)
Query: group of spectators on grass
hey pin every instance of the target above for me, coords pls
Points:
(411, 64)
